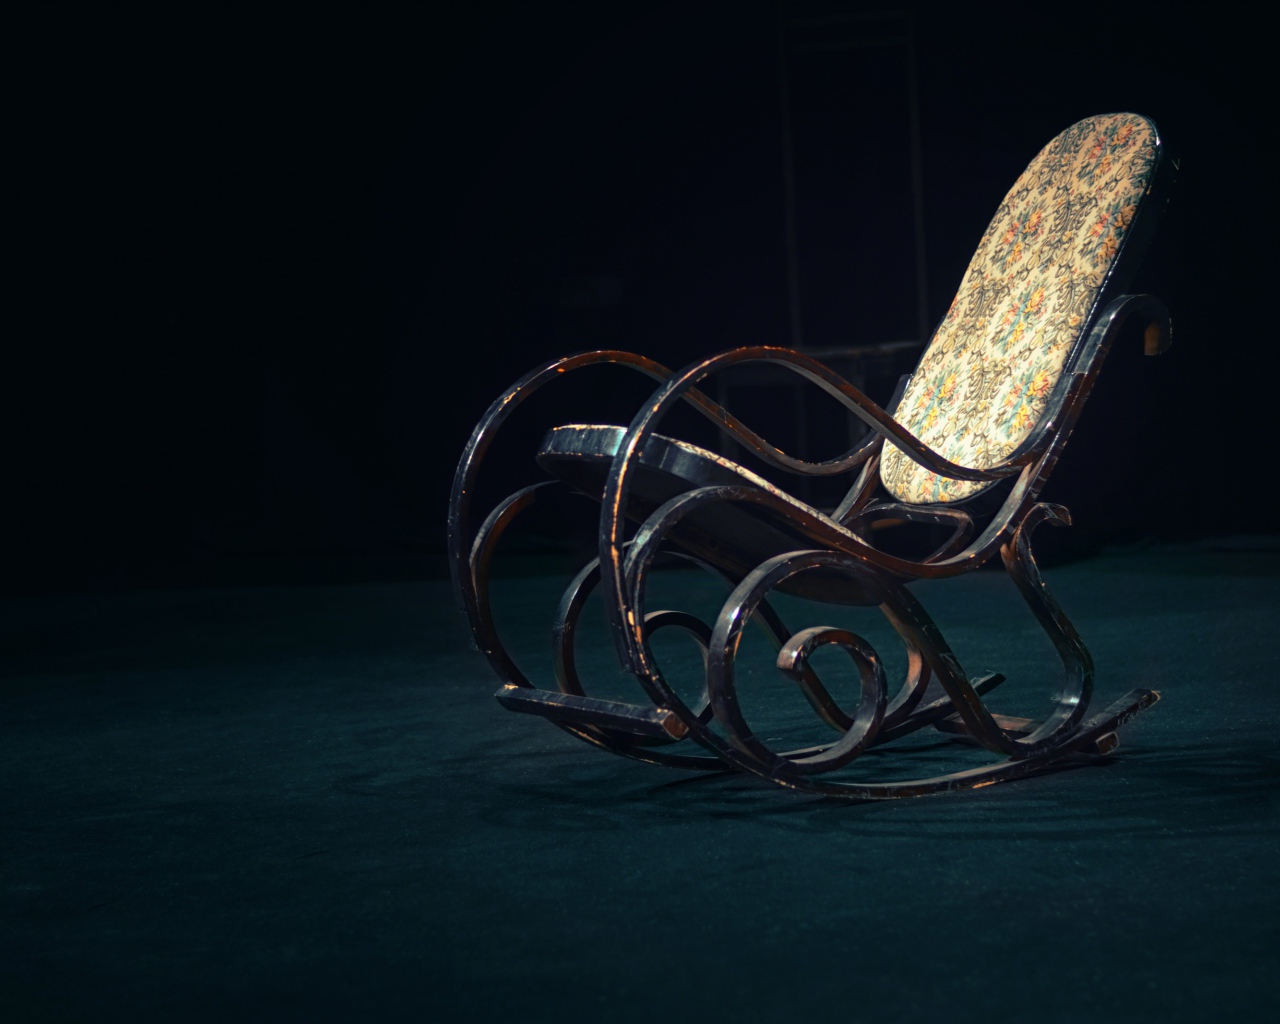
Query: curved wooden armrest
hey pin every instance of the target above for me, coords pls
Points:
(482, 436)
(882, 424)
(884, 427)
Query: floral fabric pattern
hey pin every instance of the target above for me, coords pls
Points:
(983, 382)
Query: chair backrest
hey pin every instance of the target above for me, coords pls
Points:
(1026, 300)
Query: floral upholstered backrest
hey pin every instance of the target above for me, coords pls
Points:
(985, 379)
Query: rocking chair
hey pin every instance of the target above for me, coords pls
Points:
(983, 419)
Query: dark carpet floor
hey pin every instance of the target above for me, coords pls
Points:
(304, 804)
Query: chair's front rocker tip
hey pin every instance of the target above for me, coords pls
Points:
(632, 719)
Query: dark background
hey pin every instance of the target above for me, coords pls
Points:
(273, 261)
(268, 266)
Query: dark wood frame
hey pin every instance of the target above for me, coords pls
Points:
(670, 489)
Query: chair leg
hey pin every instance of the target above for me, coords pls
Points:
(1077, 663)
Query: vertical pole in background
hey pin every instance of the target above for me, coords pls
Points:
(796, 339)
(917, 180)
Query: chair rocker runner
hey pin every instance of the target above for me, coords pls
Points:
(994, 398)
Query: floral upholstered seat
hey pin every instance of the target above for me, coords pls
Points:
(985, 379)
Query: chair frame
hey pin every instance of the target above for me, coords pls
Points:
(834, 551)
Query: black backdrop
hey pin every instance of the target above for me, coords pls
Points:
(273, 261)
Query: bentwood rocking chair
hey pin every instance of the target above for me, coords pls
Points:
(988, 409)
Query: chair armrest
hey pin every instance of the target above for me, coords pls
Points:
(884, 428)
(881, 423)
